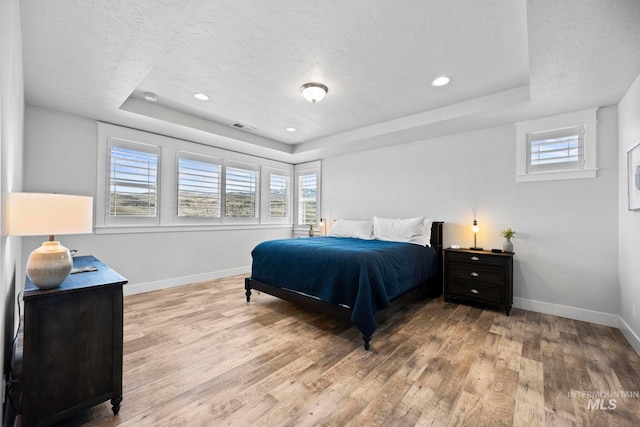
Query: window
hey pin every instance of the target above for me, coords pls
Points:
(556, 150)
(199, 188)
(307, 198)
(278, 195)
(557, 147)
(240, 192)
(153, 183)
(133, 182)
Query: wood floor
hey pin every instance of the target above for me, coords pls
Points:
(200, 355)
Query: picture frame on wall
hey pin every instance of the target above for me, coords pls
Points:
(633, 171)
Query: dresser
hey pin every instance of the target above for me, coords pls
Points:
(72, 344)
(479, 276)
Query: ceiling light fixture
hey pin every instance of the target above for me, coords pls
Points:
(441, 81)
(150, 96)
(201, 96)
(314, 92)
(290, 129)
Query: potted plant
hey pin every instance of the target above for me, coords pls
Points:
(507, 246)
(310, 230)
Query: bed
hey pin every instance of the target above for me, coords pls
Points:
(349, 278)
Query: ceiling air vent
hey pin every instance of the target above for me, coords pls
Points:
(243, 127)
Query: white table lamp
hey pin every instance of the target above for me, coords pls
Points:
(38, 214)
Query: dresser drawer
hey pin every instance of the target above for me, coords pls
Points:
(476, 258)
(478, 274)
(474, 292)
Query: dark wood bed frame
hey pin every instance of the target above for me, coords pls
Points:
(433, 286)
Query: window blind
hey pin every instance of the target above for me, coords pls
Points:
(133, 182)
(556, 150)
(307, 194)
(278, 189)
(240, 192)
(199, 188)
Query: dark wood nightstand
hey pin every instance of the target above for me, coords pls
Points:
(479, 276)
(72, 351)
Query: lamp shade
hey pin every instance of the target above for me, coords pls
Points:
(40, 214)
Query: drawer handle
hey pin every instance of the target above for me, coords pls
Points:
(474, 274)
(473, 291)
(475, 258)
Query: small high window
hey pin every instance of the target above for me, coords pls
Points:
(557, 147)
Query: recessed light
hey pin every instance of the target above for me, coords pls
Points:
(440, 81)
(290, 129)
(201, 96)
(150, 96)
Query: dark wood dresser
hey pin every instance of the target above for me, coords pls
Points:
(72, 348)
(479, 276)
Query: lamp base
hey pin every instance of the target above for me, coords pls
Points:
(475, 249)
(49, 265)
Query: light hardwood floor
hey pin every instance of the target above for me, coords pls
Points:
(200, 355)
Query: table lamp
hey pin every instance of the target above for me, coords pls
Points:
(475, 230)
(38, 214)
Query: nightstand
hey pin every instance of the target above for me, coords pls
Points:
(479, 276)
(72, 352)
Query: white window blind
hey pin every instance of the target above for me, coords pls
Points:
(133, 182)
(556, 150)
(307, 198)
(199, 188)
(240, 192)
(278, 195)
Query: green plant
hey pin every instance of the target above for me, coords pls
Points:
(508, 233)
(310, 226)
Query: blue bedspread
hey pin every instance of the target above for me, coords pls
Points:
(361, 274)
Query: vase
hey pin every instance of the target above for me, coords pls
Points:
(311, 232)
(507, 246)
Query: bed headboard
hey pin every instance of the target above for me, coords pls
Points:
(436, 236)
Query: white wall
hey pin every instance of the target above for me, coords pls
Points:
(629, 221)
(566, 242)
(11, 135)
(61, 156)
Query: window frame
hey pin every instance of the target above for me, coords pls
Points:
(181, 154)
(248, 167)
(266, 196)
(131, 219)
(301, 170)
(557, 124)
(170, 150)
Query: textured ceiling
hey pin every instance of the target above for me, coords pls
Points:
(507, 59)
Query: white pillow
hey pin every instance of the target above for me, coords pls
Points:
(398, 230)
(425, 238)
(352, 228)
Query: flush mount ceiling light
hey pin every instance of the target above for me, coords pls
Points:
(290, 129)
(314, 92)
(201, 96)
(441, 81)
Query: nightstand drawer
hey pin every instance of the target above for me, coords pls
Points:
(474, 292)
(477, 274)
(475, 258)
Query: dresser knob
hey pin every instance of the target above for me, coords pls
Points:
(473, 291)
(474, 274)
(475, 258)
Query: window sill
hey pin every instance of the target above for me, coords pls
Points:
(121, 229)
(557, 175)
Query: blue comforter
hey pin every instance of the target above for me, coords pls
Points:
(364, 275)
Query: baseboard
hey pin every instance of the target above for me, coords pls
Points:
(631, 336)
(574, 313)
(138, 288)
